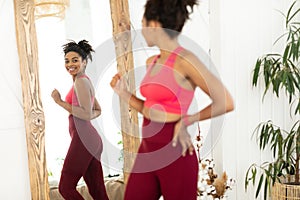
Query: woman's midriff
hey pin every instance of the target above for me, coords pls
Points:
(160, 116)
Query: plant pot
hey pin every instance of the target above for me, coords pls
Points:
(286, 190)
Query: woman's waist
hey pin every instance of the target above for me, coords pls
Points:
(79, 123)
(157, 132)
(74, 118)
(160, 115)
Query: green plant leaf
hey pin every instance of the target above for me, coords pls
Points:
(296, 50)
(261, 138)
(293, 15)
(288, 146)
(266, 65)
(266, 188)
(293, 52)
(278, 142)
(256, 72)
(286, 54)
(266, 135)
(273, 55)
(290, 86)
(288, 17)
(261, 179)
(277, 81)
(297, 54)
(248, 178)
(297, 81)
(279, 38)
(254, 172)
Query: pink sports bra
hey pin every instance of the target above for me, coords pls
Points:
(162, 92)
(71, 97)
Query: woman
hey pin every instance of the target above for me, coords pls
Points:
(166, 162)
(83, 157)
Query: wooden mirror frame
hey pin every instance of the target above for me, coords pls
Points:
(34, 119)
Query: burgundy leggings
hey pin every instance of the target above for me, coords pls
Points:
(82, 160)
(160, 169)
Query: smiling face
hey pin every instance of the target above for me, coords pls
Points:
(74, 63)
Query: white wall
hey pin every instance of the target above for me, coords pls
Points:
(248, 30)
(14, 184)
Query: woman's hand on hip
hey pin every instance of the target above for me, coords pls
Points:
(182, 137)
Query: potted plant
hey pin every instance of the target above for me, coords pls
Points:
(280, 72)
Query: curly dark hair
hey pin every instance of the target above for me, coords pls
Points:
(83, 48)
(172, 14)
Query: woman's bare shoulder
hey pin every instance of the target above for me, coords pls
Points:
(82, 83)
(190, 61)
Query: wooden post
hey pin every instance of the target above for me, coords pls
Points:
(33, 110)
(123, 48)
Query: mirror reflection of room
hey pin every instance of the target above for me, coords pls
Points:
(81, 21)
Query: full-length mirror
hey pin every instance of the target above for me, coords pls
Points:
(83, 20)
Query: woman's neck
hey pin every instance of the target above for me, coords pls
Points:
(167, 45)
(78, 75)
(167, 49)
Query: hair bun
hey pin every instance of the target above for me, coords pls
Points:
(172, 14)
(183, 4)
(86, 47)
